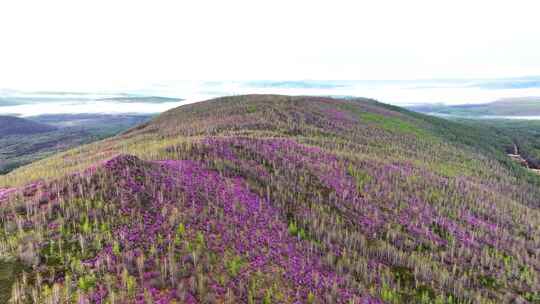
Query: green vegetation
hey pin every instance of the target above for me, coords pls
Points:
(234, 265)
(398, 124)
(9, 271)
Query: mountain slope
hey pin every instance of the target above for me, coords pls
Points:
(265, 198)
(10, 125)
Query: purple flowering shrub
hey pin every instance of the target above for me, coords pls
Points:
(397, 215)
(170, 231)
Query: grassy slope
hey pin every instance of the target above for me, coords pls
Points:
(275, 199)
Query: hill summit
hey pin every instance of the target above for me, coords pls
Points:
(275, 199)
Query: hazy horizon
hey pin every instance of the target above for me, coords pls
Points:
(397, 92)
(444, 52)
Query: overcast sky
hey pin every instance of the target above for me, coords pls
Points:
(93, 44)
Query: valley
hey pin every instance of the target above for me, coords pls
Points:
(513, 122)
(522, 161)
(521, 107)
(25, 140)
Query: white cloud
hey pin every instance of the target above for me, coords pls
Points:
(71, 44)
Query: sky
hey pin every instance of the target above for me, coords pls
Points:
(87, 45)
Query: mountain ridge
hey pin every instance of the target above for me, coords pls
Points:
(519, 106)
(11, 125)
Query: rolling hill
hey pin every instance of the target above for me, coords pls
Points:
(276, 199)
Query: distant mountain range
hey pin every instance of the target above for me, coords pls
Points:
(397, 92)
(143, 99)
(10, 125)
(525, 106)
(58, 97)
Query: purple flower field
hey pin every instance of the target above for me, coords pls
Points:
(275, 199)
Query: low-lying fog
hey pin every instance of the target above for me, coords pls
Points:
(402, 93)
